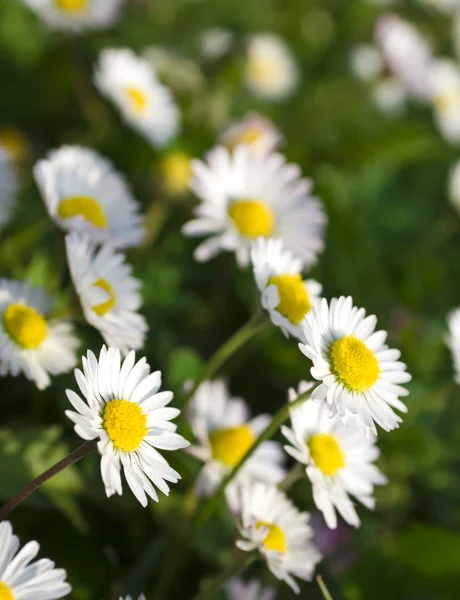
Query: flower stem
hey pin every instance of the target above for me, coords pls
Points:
(228, 348)
(280, 417)
(295, 474)
(323, 588)
(72, 458)
(241, 563)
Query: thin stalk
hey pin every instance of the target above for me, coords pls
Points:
(295, 474)
(323, 588)
(241, 563)
(72, 458)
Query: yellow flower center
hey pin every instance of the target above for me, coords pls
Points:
(72, 6)
(104, 307)
(14, 142)
(25, 325)
(326, 453)
(138, 100)
(5, 592)
(230, 445)
(262, 70)
(249, 136)
(252, 218)
(83, 206)
(294, 301)
(447, 100)
(275, 538)
(354, 364)
(177, 172)
(125, 424)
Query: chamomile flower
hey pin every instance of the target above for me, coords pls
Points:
(453, 340)
(270, 71)
(366, 62)
(141, 597)
(255, 131)
(108, 292)
(249, 590)
(225, 431)
(390, 96)
(245, 196)
(30, 342)
(445, 91)
(284, 294)
(8, 186)
(216, 42)
(125, 410)
(131, 84)
(360, 376)
(83, 192)
(271, 524)
(76, 15)
(454, 186)
(338, 459)
(22, 579)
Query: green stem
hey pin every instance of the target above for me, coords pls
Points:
(241, 563)
(228, 348)
(323, 588)
(295, 474)
(208, 507)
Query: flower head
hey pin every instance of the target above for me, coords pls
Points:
(125, 410)
(141, 597)
(444, 80)
(453, 340)
(251, 590)
(76, 15)
(360, 376)
(255, 131)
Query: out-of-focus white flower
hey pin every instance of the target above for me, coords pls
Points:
(406, 53)
(29, 342)
(141, 597)
(76, 15)
(270, 71)
(454, 186)
(453, 340)
(390, 96)
(131, 84)
(123, 407)
(8, 186)
(445, 93)
(249, 590)
(338, 459)
(284, 294)
(255, 131)
(83, 192)
(216, 42)
(366, 62)
(270, 523)
(14, 143)
(245, 196)
(108, 292)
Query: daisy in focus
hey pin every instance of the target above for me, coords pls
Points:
(22, 579)
(453, 340)
(338, 459)
(8, 186)
(270, 523)
(245, 196)
(82, 192)
(255, 131)
(124, 408)
(30, 342)
(445, 93)
(284, 294)
(76, 15)
(251, 590)
(360, 376)
(270, 71)
(131, 84)
(108, 292)
(225, 432)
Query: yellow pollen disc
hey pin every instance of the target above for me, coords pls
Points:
(326, 453)
(14, 142)
(447, 100)
(25, 325)
(177, 172)
(138, 99)
(230, 445)
(125, 424)
(104, 307)
(354, 364)
(84, 206)
(72, 6)
(275, 538)
(252, 218)
(249, 137)
(294, 300)
(5, 592)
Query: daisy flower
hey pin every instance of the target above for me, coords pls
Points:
(225, 432)
(176, 170)
(453, 340)
(338, 459)
(83, 192)
(454, 185)
(284, 294)
(141, 597)
(445, 93)
(389, 96)
(131, 84)
(271, 524)
(125, 410)
(108, 292)
(76, 15)
(8, 186)
(270, 70)
(360, 376)
(22, 579)
(245, 196)
(366, 62)
(251, 590)
(216, 42)
(255, 131)
(29, 342)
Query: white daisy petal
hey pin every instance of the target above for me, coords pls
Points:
(76, 15)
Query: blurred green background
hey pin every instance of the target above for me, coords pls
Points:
(393, 243)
